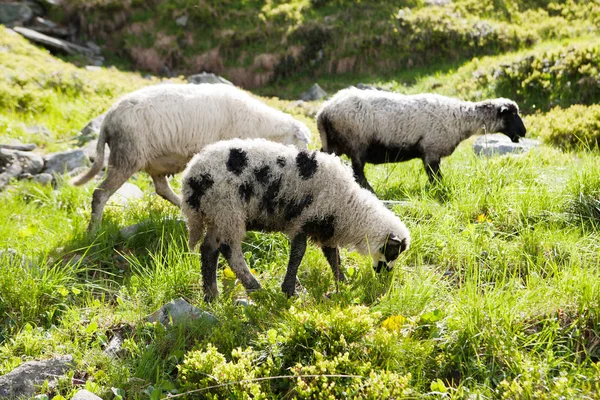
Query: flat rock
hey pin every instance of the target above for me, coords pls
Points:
(500, 144)
(31, 163)
(314, 93)
(206, 77)
(65, 161)
(22, 381)
(53, 43)
(126, 194)
(85, 395)
(179, 311)
(18, 146)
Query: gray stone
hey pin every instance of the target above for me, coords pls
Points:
(437, 2)
(183, 20)
(44, 179)
(126, 194)
(49, 28)
(114, 346)
(53, 43)
(179, 311)
(500, 144)
(90, 150)
(206, 77)
(12, 13)
(85, 395)
(91, 130)
(65, 161)
(94, 47)
(18, 146)
(22, 381)
(9, 167)
(130, 231)
(37, 130)
(31, 163)
(314, 93)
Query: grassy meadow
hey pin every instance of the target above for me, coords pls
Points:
(497, 298)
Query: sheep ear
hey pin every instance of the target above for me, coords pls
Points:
(503, 109)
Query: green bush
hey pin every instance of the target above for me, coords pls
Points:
(573, 128)
(554, 78)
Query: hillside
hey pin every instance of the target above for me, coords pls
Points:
(496, 298)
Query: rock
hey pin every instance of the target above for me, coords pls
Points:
(179, 311)
(43, 179)
(85, 395)
(18, 146)
(31, 163)
(314, 93)
(90, 150)
(183, 20)
(65, 161)
(22, 381)
(11, 13)
(53, 43)
(437, 2)
(499, 144)
(206, 77)
(126, 194)
(11, 254)
(130, 231)
(93, 68)
(37, 130)
(114, 346)
(91, 130)
(97, 50)
(9, 167)
(49, 28)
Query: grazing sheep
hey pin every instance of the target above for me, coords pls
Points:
(378, 127)
(239, 185)
(159, 128)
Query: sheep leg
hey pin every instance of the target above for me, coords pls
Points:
(163, 189)
(332, 254)
(359, 174)
(298, 248)
(432, 167)
(115, 178)
(237, 262)
(209, 256)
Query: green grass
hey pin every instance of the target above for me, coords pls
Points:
(498, 296)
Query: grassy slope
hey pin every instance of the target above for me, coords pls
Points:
(498, 294)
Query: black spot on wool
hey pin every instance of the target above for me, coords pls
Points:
(281, 161)
(246, 191)
(293, 209)
(263, 174)
(268, 202)
(320, 229)
(199, 187)
(237, 162)
(307, 164)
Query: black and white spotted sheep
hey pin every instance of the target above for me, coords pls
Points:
(159, 128)
(377, 127)
(235, 186)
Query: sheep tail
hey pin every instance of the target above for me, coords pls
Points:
(324, 126)
(98, 161)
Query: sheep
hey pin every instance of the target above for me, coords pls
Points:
(379, 127)
(159, 128)
(239, 185)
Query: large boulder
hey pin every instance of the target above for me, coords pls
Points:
(65, 161)
(499, 144)
(22, 381)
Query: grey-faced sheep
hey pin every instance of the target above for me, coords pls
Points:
(239, 185)
(159, 128)
(378, 127)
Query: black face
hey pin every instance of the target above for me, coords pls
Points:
(512, 124)
(391, 250)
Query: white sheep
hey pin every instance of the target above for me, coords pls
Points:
(159, 128)
(376, 127)
(239, 185)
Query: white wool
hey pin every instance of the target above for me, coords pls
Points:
(436, 123)
(361, 221)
